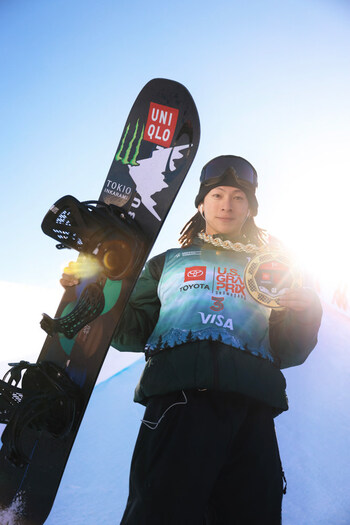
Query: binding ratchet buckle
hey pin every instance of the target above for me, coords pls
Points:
(96, 228)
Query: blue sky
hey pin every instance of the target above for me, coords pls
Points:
(270, 80)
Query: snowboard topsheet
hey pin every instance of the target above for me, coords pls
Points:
(156, 150)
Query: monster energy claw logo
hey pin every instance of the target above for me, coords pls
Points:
(125, 158)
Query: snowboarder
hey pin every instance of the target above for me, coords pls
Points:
(212, 385)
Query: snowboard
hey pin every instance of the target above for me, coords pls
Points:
(43, 403)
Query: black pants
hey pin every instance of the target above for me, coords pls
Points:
(211, 461)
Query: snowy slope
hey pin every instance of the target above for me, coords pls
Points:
(314, 433)
(313, 437)
(94, 487)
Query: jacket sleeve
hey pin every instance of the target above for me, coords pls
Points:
(293, 335)
(142, 311)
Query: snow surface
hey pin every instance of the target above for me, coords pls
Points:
(314, 434)
(313, 438)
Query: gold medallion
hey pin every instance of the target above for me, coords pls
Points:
(268, 275)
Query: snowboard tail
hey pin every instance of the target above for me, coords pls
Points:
(116, 233)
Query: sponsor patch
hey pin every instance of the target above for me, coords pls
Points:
(161, 124)
(228, 280)
(195, 273)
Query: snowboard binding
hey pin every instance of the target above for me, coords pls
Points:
(99, 229)
(48, 401)
(90, 305)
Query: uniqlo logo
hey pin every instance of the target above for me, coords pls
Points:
(161, 124)
(195, 273)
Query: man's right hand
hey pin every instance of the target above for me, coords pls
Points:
(69, 280)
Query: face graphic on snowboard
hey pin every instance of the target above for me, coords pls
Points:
(225, 209)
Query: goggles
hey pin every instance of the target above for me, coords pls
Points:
(216, 168)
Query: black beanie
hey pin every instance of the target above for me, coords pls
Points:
(228, 178)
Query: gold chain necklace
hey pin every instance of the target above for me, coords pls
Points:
(228, 245)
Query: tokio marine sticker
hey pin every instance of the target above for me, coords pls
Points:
(268, 275)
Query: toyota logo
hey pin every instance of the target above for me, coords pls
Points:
(195, 273)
